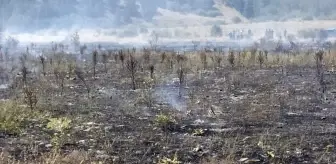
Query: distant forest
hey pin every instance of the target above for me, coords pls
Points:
(285, 9)
(29, 15)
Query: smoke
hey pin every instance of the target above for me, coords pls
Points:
(35, 15)
(114, 21)
(169, 93)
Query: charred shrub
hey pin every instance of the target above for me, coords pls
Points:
(132, 68)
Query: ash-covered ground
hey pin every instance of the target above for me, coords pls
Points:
(144, 106)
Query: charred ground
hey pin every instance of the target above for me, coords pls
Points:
(144, 106)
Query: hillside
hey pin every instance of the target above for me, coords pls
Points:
(131, 21)
(281, 10)
(34, 15)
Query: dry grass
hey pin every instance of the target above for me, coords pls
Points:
(75, 157)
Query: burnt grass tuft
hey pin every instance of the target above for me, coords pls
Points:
(201, 107)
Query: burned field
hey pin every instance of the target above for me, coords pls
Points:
(141, 106)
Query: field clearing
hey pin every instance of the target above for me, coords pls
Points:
(151, 107)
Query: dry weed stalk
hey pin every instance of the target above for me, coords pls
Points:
(253, 56)
(104, 61)
(239, 59)
(261, 59)
(163, 57)
(203, 58)
(82, 49)
(244, 54)
(320, 72)
(115, 56)
(277, 59)
(110, 53)
(172, 60)
(61, 47)
(51, 62)
(70, 69)
(218, 60)
(132, 68)
(146, 55)
(181, 76)
(151, 69)
(266, 55)
(212, 57)
(168, 61)
(23, 58)
(231, 59)
(319, 61)
(24, 72)
(94, 62)
(145, 58)
(42, 60)
(180, 58)
(53, 48)
(30, 97)
(59, 59)
(79, 73)
(60, 76)
(121, 55)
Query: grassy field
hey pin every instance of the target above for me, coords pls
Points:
(143, 106)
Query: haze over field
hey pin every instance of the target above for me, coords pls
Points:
(167, 81)
(133, 20)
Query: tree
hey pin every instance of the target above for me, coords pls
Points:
(216, 31)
